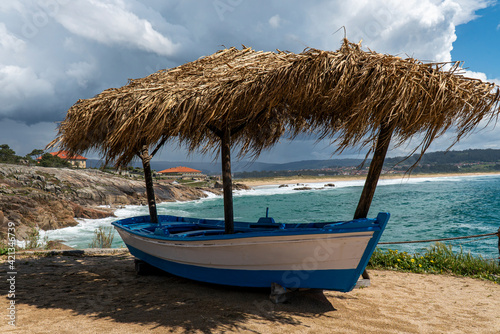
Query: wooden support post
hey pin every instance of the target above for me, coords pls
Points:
(383, 141)
(148, 177)
(498, 234)
(227, 184)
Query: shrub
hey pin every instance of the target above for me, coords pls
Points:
(33, 239)
(438, 258)
(103, 237)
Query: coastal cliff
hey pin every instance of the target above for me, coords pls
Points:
(51, 198)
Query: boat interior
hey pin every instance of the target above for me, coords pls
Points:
(173, 226)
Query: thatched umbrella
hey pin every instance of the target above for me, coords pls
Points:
(251, 99)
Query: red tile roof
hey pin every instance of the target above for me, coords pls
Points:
(67, 156)
(180, 170)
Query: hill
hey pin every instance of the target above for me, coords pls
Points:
(452, 157)
(244, 166)
(467, 161)
(440, 161)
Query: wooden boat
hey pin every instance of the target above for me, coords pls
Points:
(329, 256)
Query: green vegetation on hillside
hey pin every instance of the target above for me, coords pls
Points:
(8, 156)
(285, 173)
(49, 160)
(451, 157)
(468, 161)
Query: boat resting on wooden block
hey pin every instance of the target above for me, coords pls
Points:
(328, 256)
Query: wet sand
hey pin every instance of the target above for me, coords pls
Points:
(103, 294)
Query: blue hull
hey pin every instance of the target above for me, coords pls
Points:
(329, 256)
(340, 280)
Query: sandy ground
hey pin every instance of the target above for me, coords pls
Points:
(333, 179)
(103, 294)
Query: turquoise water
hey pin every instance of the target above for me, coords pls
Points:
(421, 208)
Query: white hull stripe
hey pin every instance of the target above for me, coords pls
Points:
(292, 252)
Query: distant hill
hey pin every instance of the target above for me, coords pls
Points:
(433, 158)
(451, 157)
(243, 166)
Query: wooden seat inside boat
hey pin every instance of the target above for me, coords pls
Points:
(197, 233)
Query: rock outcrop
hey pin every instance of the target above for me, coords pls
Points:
(52, 198)
(236, 186)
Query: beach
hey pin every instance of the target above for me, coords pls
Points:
(102, 293)
(255, 182)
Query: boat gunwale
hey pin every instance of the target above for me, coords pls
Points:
(372, 225)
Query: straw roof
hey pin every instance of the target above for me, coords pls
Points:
(351, 94)
(345, 95)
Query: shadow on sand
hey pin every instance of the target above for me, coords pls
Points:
(108, 287)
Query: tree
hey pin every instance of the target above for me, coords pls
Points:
(7, 155)
(35, 154)
(49, 160)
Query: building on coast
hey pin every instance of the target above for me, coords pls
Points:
(181, 172)
(75, 160)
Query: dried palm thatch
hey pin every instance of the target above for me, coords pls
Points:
(351, 94)
(345, 95)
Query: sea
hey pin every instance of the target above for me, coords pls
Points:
(420, 208)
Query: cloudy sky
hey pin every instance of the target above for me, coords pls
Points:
(54, 52)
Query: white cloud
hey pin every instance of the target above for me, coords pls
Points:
(469, 8)
(475, 75)
(109, 22)
(423, 29)
(10, 43)
(275, 21)
(481, 76)
(11, 5)
(19, 86)
(82, 72)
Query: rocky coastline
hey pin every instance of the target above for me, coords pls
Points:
(51, 198)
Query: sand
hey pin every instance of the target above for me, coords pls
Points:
(332, 179)
(103, 294)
